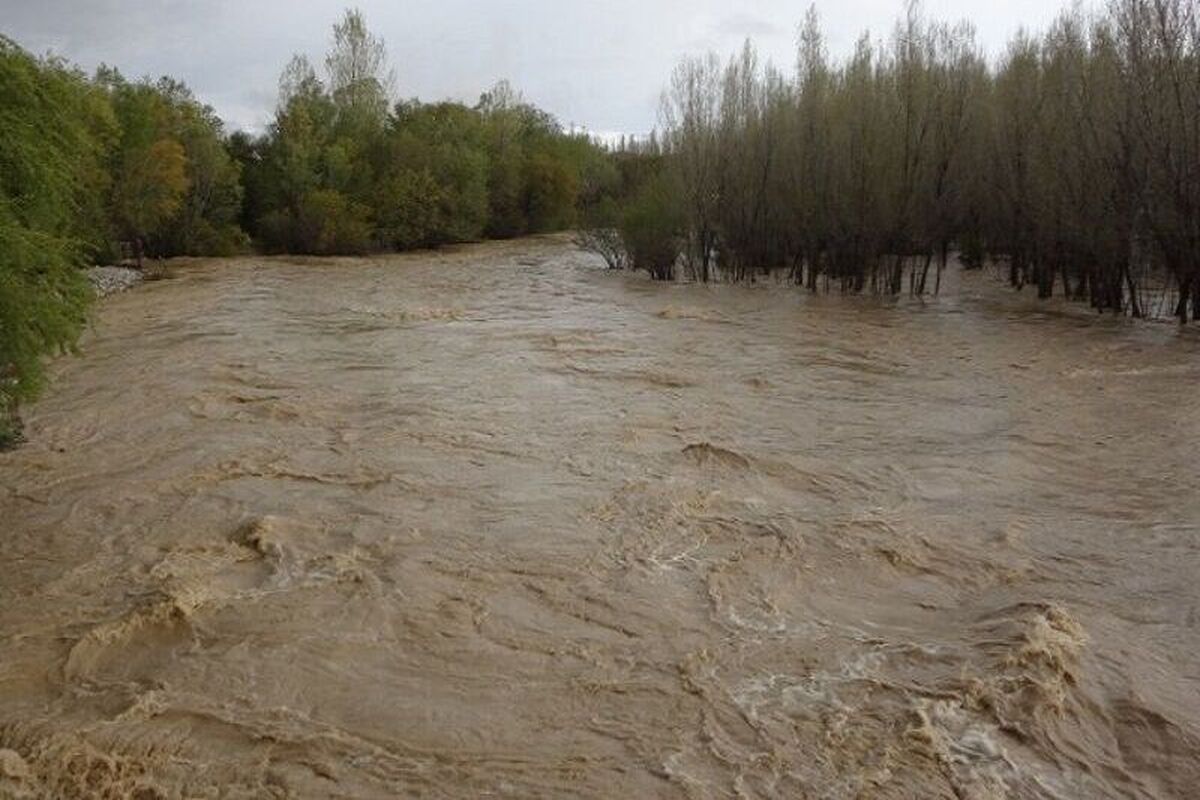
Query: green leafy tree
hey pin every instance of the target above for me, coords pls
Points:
(433, 188)
(426, 174)
(359, 79)
(206, 222)
(150, 170)
(49, 156)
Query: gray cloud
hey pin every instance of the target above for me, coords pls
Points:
(743, 24)
(595, 64)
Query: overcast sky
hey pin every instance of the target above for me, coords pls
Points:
(599, 64)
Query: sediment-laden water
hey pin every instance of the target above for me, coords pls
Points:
(496, 523)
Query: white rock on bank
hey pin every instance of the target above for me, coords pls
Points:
(109, 280)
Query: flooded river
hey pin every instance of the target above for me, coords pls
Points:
(494, 522)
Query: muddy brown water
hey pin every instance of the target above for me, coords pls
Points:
(496, 523)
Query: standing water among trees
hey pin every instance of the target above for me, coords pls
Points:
(1072, 162)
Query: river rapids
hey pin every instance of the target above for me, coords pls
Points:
(496, 522)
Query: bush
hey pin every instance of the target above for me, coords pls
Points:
(650, 228)
(331, 224)
(275, 231)
(406, 217)
(550, 193)
(600, 234)
(606, 243)
(219, 240)
(327, 224)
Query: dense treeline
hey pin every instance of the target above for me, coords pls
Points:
(1073, 162)
(86, 164)
(344, 170)
(97, 169)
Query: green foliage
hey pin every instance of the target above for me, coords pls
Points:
(535, 171)
(206, 222)
(174, 186)
(330, 223)
(43, 302)
(506, 213)
(613, 187)
(551, 189)
(48, 160)
(83, 164)
(324, 222)
(433, 189)
(426, 174)
(651, 226)
(150, 187)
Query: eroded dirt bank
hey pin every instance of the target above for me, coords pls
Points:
(496, 523)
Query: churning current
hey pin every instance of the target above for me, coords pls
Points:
(494, 522)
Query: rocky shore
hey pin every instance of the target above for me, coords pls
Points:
(110, 280)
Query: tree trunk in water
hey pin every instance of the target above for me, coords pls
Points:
(1135, 305)
(1045, 282)
(925, 274)
(943, 257)
(1188, 292)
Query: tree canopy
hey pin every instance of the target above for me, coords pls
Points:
(404, 174)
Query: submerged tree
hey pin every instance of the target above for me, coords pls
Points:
(1072, 161)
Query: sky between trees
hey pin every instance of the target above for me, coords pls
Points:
(599, 65)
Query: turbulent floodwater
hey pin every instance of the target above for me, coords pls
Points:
(497, 523)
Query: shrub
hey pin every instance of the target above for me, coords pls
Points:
(650, 228)
(550, 193)
(275, 231)
(331, 224)
(600, 234)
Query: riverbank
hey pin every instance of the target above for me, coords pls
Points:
(105, 281)
(111, 280)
